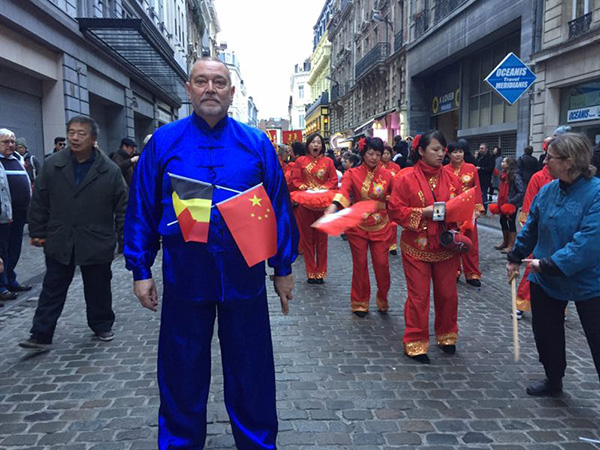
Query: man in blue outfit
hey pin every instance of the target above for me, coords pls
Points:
(207, 280)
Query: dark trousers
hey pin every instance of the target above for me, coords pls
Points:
(96, 290)
(11, 239)
(548, 320)
(485, 186)
(508, 223)
(184, 370)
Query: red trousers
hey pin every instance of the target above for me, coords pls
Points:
(470, 260)
(419, 275)
(314, 246)
(300, 229)
(523, 296)
(394, 237)
(360, 241)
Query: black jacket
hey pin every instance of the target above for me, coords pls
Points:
(78, 221)
(123, 159)
(486, 164)
(528, 165)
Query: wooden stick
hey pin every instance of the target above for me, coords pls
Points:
(513, 287)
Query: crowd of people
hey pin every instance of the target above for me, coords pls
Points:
(81, 207)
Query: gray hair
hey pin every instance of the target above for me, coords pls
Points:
(578, 148)
(6, 132)
(210, 59)
(94, 129)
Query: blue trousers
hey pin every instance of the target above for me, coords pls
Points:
(184, 367)
(11, 240)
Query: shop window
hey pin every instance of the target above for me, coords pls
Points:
(497, 110)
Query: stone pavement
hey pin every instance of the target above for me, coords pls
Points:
(343, 382)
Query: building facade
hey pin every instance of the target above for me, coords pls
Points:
(300, 95)
(368, 62)
(317, 114)
(122, 62)
(453, 46)
(567, 64)
(239, 106)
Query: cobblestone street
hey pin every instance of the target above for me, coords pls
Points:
(343, 382)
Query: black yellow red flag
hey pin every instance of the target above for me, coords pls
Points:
(192, 201)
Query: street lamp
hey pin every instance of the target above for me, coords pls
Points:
(378, 17)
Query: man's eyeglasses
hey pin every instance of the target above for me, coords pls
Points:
(8, 141)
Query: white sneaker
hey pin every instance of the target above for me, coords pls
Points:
(519, 314)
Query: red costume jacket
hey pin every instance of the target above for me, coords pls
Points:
(469, 178)
(538, 180)
(313, 173)
(392, 167)
(411, 193)
(363, 183)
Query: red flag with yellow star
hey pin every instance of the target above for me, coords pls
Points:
(252, 223)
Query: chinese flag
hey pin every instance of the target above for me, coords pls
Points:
(336, 224)
(252, 223)
(192, 202)
(460, 208)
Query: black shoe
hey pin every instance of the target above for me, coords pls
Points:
(545, 388)
(344, 237)
(7, 295)
(449, 349)
(311, 281)
(393, 252)
(35, 344)
(423, 359)
(19, 288)
(319, 281)
(106, 336)
(474, 282)
(360, 313)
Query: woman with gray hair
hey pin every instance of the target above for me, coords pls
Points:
(562, 230)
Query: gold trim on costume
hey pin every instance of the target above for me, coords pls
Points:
(341, 200)
(359, 306)
(447, 339)
(416, 215)
(393, 247)
(433, 181)
(416, 348)
(472, 276)
(366, 186)
(382, 305)
(313, 183)
(422, 197)
(316, 275)
(378, 226)
(523, 305)
(421, 255)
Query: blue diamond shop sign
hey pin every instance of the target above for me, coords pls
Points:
(511, 78)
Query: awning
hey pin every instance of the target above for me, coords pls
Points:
(384, 114)
(362, 128)
(142, 51)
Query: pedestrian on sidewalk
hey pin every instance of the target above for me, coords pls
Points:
(424, 259)
(485, 167)
(369, 181)
(510, 198)
(313, 172)
(562, 232)
(469, 178)
(126, 158)
(11, 231)
(77, 211)
(30, 162)
(203, 281)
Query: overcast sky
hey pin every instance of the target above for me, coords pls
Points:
(269, 37)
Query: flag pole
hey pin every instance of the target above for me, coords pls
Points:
(239, 193)
(515, 323)
(191, 180)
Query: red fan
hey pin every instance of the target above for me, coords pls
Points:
(314, 200)
(494, 209)
(508, 210)
(336, 224)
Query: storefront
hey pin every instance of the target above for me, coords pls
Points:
(317, 121)
(580, 109)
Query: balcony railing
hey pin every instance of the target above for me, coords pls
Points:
(443, 8)
(580, 25)
(421, 23)
(376, 56)
(398, 40)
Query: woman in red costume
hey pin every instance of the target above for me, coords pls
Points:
(369, 181)
(538, 180)
(313, 172)
(423, 257)
(388, 164)
(467, 174)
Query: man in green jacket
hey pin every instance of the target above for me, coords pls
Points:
(77, 212)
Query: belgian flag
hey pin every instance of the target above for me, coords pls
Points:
(192, 201)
